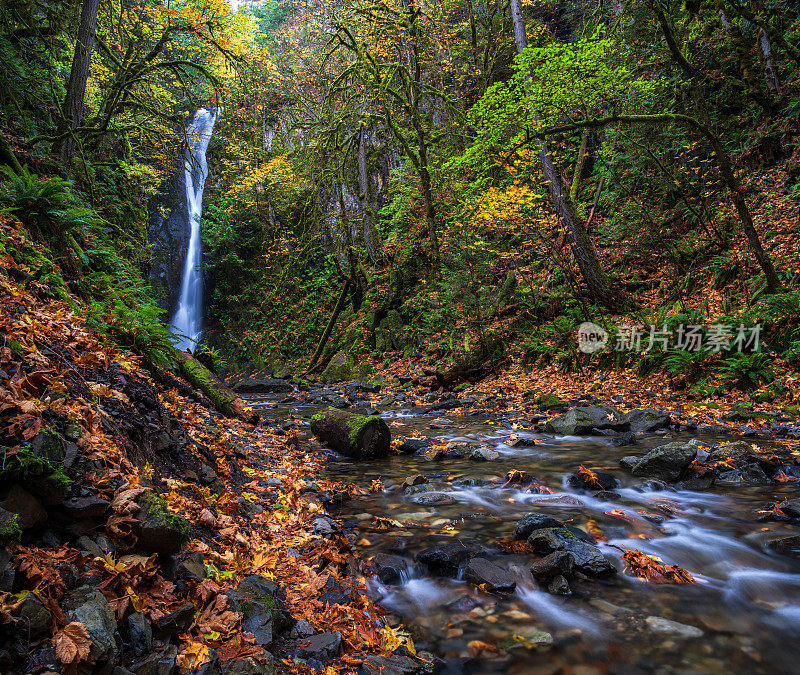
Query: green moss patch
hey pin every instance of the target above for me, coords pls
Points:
(156, 509)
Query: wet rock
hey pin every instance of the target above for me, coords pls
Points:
(176, 622)
(658, 624)
(390, 568)
(552, 565)
(93, 506)
(433, 498)
(603, 481)
(260, 601)
(321, 647)
(623, 440)
(484, 454)
(751, 474)
(786, 545)
(483, 572)
(629, 462)
(29, 510)
(397, 664)
(559, 586)
(356, 436)
(206, 474)
(249, 666)
(90, 607)
(141, 634)
(586, 557)
(43, 661)
(433, 454)
(7, 572)
(791, 507)
(49, 445)
(333, 594)
(534, 521)
(410, 481)
(441, 423)
(607, 495)
(417, 489)
(666, 462)
(583, 421)
(89, 548)
(302, 629)
(325, 526)
(445, 559)
(34, 616)
(647, 420)
(412, 445)
(159, 662)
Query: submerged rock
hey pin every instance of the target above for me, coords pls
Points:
(433, 498)
(445, 559)
(390, 568)
(666, 462)
(658, 624)
(484, 454)
(532, 522)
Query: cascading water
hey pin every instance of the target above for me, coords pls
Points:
(187, 323)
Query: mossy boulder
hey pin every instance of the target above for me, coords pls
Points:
(160, 531)
(356, 436)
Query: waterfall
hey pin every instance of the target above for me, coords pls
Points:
(187, 323)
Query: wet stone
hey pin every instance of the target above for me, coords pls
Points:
(532, 522)
(485, 573)
(666, 462)
(433, 498)
(559, 586)
(658, 624)
(390, 568)
(552, 565)
(445, 559)
(321, 647)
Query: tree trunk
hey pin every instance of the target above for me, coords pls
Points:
(329, 328)
(363, 188)
(76, 87)
(356, 436)
(582, 247)
(579, 163)
(8, 157)
(226, 400)
(770, 72)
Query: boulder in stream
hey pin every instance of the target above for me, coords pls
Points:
(356, 436)
(585, 420)
(445, 559)
(666, 462)
(484, 573)
(586, 557)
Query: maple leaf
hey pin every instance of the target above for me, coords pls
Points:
(654, 569)
(589, 477)
(72, 644)
(193, 655)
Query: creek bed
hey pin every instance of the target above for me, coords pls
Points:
(742, 615)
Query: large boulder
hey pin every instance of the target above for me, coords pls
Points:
(29, 510)
(260, 601)
(647, 420)
(666, 462)
(585, 420)
(356, 436)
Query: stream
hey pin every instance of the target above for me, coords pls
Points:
(742, 615)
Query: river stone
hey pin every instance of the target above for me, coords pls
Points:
(141, 634)
(484, 454)
(93, 506)
(752, 474)
(159, 662)
(582, 421)
(786, 545)
(260, 601)
(559, 586)
(605, 481)
(445, 559)
(397, 664)
(586, 557)
(658, 624)
(666, 462)
(534, 521)
(390, 568)
(90, 607)
(791, 507)
(412, 445)
(249, 665)
(629, 462)
(553, 564)
(29, 510)
(35, 617)
(433, 498)
(647, 420)
(321, 647)
(483, 572)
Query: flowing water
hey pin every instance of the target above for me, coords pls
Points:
(187, 323)
(746, 600)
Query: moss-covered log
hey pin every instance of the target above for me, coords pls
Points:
(356, 436)
(225, 399)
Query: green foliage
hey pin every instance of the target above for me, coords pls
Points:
(10, 530)
(746, 371)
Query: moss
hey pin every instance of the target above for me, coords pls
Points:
(25, 466)
(549, 399)
(356, 424)
(10, 529)
(15, 347)
(461, 387)
(157, 509)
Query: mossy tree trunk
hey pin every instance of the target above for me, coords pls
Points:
(225, 399)
(356, 436)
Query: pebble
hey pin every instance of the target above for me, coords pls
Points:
(658, 624)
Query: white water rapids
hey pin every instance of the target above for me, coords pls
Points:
(187, 322)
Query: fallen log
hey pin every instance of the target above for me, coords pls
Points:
(224, 399)
(356, 436)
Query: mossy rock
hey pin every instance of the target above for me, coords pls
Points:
(161, 531)
(338, 369)
(10, 531)
(549, 401)
(461, 387)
